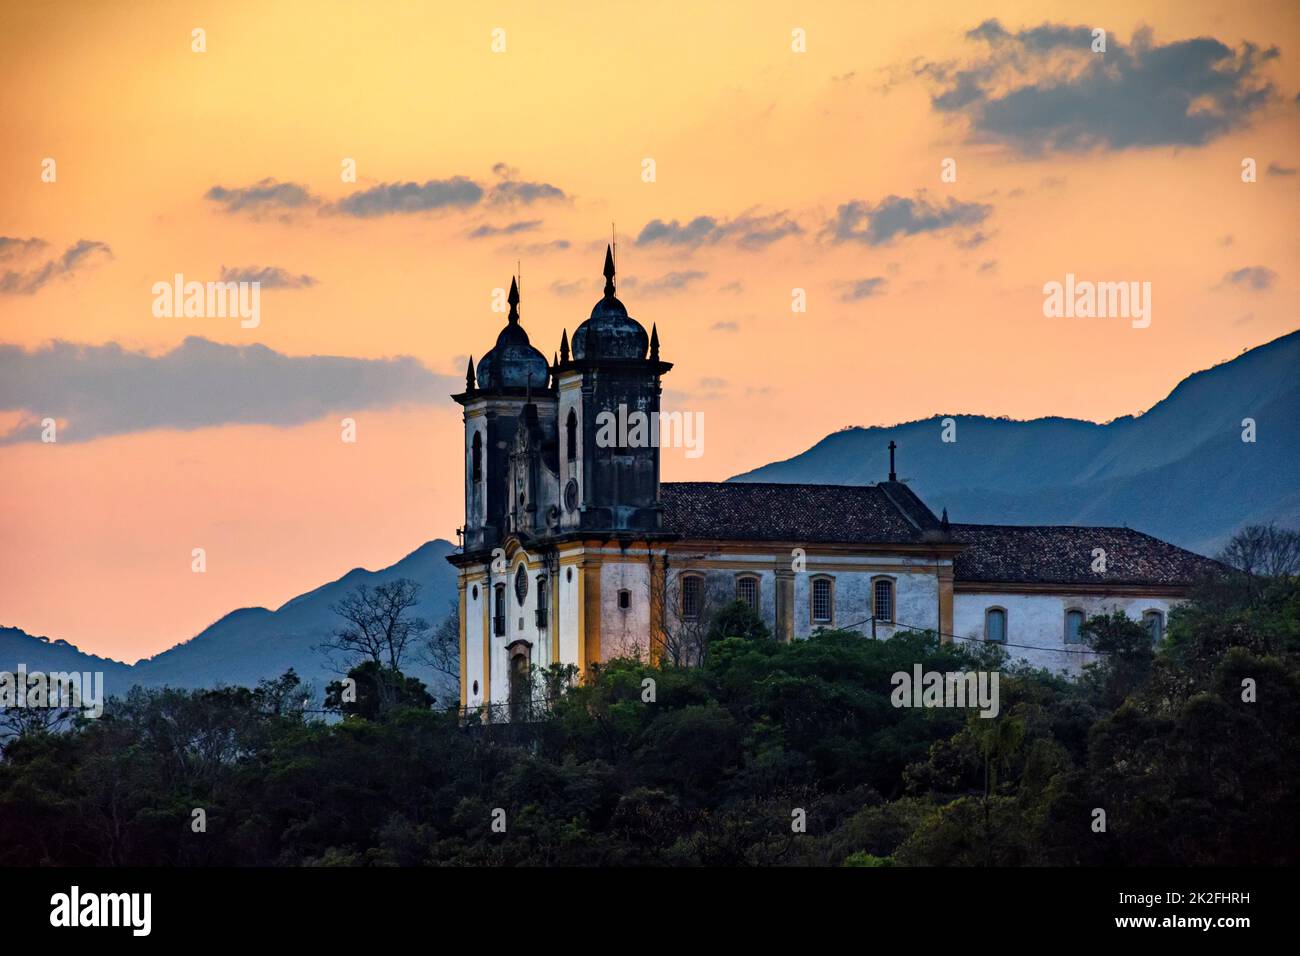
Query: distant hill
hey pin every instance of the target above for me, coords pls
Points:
(1179, 471)
(252, 643)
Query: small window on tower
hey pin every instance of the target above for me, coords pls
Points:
(624, 599)
(476, 458)
(571, 436)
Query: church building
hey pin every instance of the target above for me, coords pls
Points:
(575, 552)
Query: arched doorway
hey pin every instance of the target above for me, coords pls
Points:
(521, 681)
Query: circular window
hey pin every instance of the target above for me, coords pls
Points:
(521, 584)
(571, 495)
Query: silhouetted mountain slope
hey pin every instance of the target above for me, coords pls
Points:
(253, 643)
(51, 656)
(1179, 471)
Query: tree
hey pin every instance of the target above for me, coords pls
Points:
(378, 628)
(1127, 655)
(737, 619)
(442, 651)
(380, 691)
(682, 640)
(55, 709)
(1264, 550)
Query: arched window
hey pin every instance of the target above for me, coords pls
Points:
(476, 458)
(541, 600)
(1074, 626)
(822, 600)
(499, 610)
(624, 599)
(692, 597)
(747, 590)
(1154, 622)
(995, 625)
(882, 599)
(571, 436)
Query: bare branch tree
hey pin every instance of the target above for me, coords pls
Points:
(682, 639)
(1264, 550)
(441, 652)
(56, 710)
(376, 625)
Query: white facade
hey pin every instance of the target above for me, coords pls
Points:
(1036, 621)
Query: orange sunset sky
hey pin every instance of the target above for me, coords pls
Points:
(775, 169)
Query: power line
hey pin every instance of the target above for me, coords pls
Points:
(979, 640)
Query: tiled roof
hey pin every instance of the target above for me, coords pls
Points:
(758, 511)
(890, 513)
(1063, 554)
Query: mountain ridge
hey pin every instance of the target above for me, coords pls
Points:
(1056, 469)
(1149, 472)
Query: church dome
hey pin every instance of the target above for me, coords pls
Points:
(513, 362)
(610, 332)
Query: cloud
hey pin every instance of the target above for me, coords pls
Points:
(264, 196)
(454, 192)
(666, 284)
(514, 192)
(1277, 169)
(570, 288)
(863, 289)
(1254, 278)
(387, 198)
(12, 248)
(79, 254)
(727, 326)
(269, 277)
(106, 390)
(486, 230)
(881, 223)
(1043, 90)
(749, 231)
(990, 265)
(542, 248)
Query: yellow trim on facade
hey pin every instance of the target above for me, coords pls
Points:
(589, 634)
(945, 604)
(553, 581)
(657, 598)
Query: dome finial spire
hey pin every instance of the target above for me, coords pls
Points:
(609, 270)
(513, 299)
